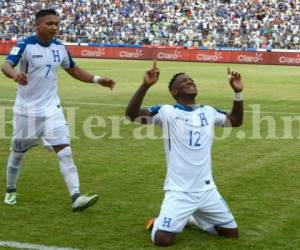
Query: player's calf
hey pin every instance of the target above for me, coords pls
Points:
(14, 165)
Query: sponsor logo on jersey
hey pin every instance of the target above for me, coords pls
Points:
(182, 119)
(37, 56)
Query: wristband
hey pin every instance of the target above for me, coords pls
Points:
(96, 79)
(238, 96)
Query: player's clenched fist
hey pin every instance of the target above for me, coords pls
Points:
(107, 82)
(21, 78)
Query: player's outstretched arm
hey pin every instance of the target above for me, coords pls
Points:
(237, 112)
(82, 75)
(133, 110)
(10, 72)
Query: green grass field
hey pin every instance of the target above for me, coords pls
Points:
(258, 177)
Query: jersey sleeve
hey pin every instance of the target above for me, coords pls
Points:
(68, 61)
(16, 53)
(154, 110)
(219, 117)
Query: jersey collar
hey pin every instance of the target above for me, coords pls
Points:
(185, 108)
(41, 43)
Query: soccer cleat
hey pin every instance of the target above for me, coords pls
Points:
(83, 202)
(150, 224)
(10, 198)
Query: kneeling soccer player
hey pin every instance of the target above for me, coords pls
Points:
(191, 196)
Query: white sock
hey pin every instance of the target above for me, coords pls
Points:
(68, 170)
(14, 164)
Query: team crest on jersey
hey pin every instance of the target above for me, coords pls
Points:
(14, 51)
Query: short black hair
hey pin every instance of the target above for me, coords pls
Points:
(174, 78)
(45, 12)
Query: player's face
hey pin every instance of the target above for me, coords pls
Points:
(184, 86)
(47, 27)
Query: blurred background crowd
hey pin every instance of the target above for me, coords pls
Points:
(246, 24)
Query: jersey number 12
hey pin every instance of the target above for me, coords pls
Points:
(195, 139)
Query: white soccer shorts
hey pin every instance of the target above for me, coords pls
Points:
(28, 130)
(208, 208)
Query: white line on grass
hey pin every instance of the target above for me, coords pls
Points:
(32, 246)
(123, 105)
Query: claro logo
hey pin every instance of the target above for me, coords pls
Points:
(250, 59)
(169, 56)
(290, 60)
(131, 54)
(217, 56)
(93, 53)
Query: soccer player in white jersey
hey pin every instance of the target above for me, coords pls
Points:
(191, 195)
(37, 110)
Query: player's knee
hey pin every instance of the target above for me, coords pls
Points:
(164, 239)
(16, 157)
(65, 152)
(66, 163)
(21, 146)
(228, 232)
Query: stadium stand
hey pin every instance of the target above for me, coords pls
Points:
(207, 24)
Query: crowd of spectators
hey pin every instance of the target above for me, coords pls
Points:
(210, 24)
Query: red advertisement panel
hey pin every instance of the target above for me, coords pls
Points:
(5, 48)
(211, 56)
(286, 58)
(170, 54)
(108, 52)
(250, 57)
(86, 51)
(167, 53)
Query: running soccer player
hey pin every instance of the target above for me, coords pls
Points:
(37, 110)
(191, 195)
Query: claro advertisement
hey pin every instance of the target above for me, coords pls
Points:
(178, 54)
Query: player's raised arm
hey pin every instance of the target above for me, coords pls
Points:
(82, 75)
(134, 109)
(235, 118)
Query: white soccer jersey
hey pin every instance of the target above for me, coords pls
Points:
(40, 62)
(188, 137)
